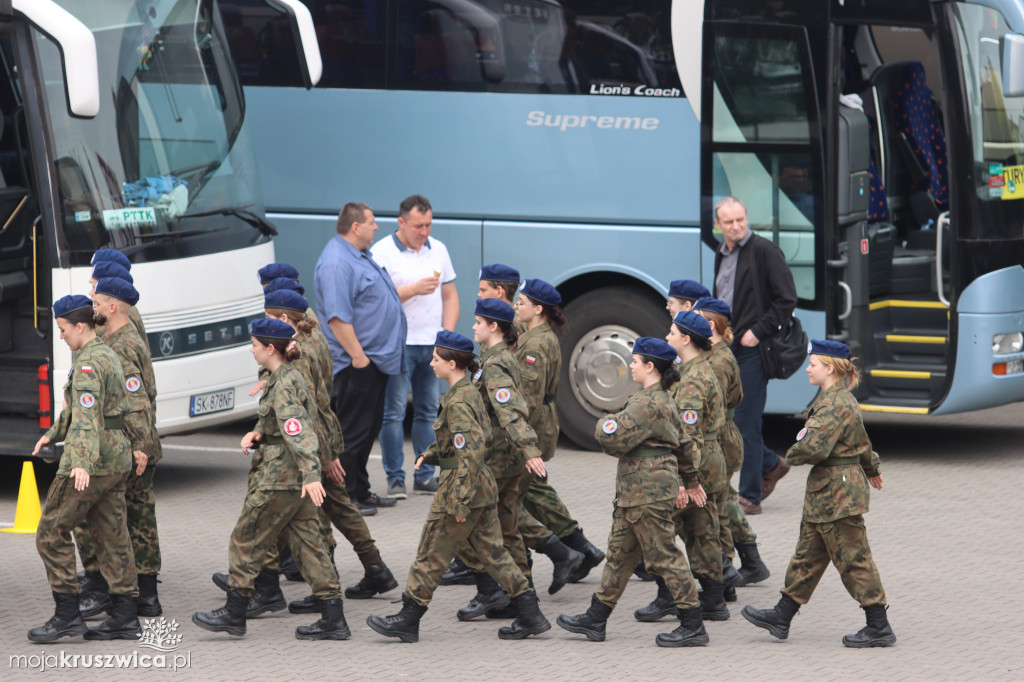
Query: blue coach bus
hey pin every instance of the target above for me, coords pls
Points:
(585, 142)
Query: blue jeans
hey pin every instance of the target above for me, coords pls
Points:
(419, 378)
(757, 459)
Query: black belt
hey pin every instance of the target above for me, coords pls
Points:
(446, 463)
(549, 398)
(648, 452)
(113, 423)
(839, 461)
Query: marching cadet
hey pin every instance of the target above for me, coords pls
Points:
(101, 262)
(655, 454)
(513, 443)
(286, 471)
(682, 294)
(835, 443)
(90, 483)
(113, 298)
(737, 535)
(545, 522)
(464, 511)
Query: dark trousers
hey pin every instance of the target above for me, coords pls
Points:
(358, 399)
(758, 460)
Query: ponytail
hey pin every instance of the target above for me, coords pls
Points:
(286, 347)
(666, 368)
(510, 333)
(462, 359)
(554, 315)
(302, 322)
(845, 370)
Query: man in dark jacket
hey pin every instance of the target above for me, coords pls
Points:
(735, 284)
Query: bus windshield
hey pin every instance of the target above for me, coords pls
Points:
(164, 171)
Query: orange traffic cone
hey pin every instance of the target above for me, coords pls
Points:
(28, 513)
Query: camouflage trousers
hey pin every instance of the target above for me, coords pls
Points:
(543, 513)
(731, 441)
(646, 532)
(267, 514)
(443, 536)
(140, 505)
(102, 504)
(510, 501)
(698, 528)
(739, 527)
(843, 543)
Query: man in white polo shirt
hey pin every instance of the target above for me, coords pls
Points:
(422, 272)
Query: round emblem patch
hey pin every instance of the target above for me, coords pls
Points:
(133, 384)
(690, 416)
(610, 426)
(502, 395)
(800, 435)
(460, 441)
(293, 427)
(87, 400)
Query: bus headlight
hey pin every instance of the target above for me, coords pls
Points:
(1003, 344)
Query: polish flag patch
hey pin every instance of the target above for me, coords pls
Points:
(530, 359)
(293, 427)
(87, 369)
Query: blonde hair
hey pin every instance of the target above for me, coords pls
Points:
(718, 322)
(303, 323)
(845, 370)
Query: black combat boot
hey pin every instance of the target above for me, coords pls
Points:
(95, 602)
(266, 596)
(752, 569)
(775, 620)
(663, 605)
(377, 579)
(530, 621)
(457, 573)
(712, 599)
(122, 624)
(690, 632)
(592, 556)
(730, 594)
(592, 623)
(149, 601)
(66, 621)
(331, 625)
(229, 618)
(89, 581)
(565, 559)
(308, 604)
(641, 572)
(876, 633)
(488, 596)
(405, 625)
(288, 567)
(221, 581)
(729, 572)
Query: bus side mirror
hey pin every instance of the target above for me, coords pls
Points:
(310, 62)
(1013, 64)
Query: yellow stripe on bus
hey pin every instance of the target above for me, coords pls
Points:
(893, 408)
(905, 338)
(879, 305)
(899, 374)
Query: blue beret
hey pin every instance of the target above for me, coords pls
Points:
(687, 288)
(118, 288)
(113, 255)
(68, 304)
(108, 268)
(284, 283)
(496, 272)
(693, 323)
(495, 309)
(713, 305)
(275, 270)
(541, 291)
(287, 299)
(271, 329)
(836, 349)
(657, 348)
(454, 341)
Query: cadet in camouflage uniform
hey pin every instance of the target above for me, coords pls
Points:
(832, 529)
(464, 511)
(112, 300)
(654, 454)
(286, 469)
(682, 294)
(112, 263)
(89, 483)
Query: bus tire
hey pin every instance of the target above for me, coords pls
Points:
(596, 351)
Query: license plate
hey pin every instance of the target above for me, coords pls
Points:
(1015, 366)
(208, 403)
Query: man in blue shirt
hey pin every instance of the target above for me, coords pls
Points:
(356, 299)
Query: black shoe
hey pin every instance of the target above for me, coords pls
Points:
(94, 603)
(729, 572)
(91, 581)
(405, 625)
(122, 624)
(730, 595)
(690, 632)
(287, 566)
(592, 623)
(308, 604)
(509, 612)
(427, 487)
(66, 621)
(752, 569)
(641, 572)
(364, 509)
(592, 556)
(663, 605)
(331, 625)
(565, 559)
(375, 500)
(149, 601)
(266, 596)
(712, 600)
(457, 574)
(229, 618)
(877, 632)
(488, 596)
(775, 620)
(377, 578)
(221, 581)
(530, 621)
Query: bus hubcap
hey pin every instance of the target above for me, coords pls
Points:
(599, 369)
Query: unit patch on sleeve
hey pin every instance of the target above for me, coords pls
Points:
(800, 435)
(133, 384)
(690, 416)
(460, 441)
(610, 426)
(87, 400)
(502, 395)
(293, 427)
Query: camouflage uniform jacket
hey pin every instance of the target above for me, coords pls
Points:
(649, 422)
(540, 363)
(461, 433)
(328, 429)
(700, 405)
(835, 430)
(323, 352)
(727, 371)
(139, 421)
(287, 459)
(94, 393)
(512, 440)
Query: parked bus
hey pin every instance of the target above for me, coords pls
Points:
(877, 143)
(123, 126)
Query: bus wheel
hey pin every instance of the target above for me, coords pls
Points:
(596, 352)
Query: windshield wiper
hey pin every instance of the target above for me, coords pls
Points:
(164, 237)
(254, 219)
